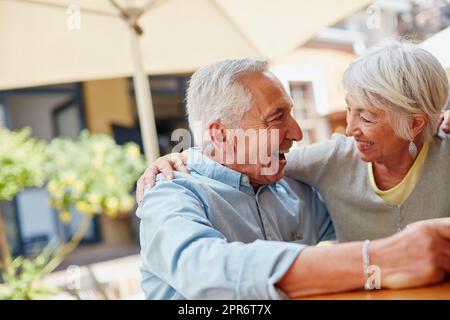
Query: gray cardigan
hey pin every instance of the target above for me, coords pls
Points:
(334, 168)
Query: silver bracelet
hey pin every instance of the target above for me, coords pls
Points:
(366, 264)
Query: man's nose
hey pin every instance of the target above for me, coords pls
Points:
(294, 130)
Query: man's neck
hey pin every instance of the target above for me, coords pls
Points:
(213, 155)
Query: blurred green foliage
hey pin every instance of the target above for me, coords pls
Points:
(21, 162)
(21, 278)
(92, 174)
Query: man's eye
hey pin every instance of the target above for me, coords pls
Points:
(279, 117)
(365, 120)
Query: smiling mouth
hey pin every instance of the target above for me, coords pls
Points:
(364, 145)
(281, 153)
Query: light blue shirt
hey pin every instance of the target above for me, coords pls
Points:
(204, 235)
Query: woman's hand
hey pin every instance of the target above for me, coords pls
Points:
(165, 165)
(445, 121)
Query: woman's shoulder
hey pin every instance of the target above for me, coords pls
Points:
(335, 150)
(340, 138)
(441, 144)
(344, 144)
(438, 159)
(330, 151)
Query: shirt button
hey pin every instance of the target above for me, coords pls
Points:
(296, 236)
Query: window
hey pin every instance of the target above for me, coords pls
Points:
(3, 123)
(304, 110)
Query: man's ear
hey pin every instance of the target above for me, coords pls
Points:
(217, 136)
(217, 133)
(419, 121)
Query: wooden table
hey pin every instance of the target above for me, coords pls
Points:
(436, 292)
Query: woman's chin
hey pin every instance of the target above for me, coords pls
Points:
(365, 157)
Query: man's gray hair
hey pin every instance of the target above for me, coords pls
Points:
(402, 79)
(215, 93)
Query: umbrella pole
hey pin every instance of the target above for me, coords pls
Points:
(144, 102)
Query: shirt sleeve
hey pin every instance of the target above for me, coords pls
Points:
(324, 224)
(181, 247)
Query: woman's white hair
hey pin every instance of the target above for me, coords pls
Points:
(215, 93)
(401, 79)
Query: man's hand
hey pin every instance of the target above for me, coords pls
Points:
(166, 165)
(429, 221)
(417, 256)
(445, 121)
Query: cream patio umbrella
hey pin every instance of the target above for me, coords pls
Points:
(439, 46)
(55, 41)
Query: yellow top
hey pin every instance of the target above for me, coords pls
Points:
(399, 193)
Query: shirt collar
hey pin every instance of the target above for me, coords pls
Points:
(214, 170)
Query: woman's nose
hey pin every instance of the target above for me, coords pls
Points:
(352, 127)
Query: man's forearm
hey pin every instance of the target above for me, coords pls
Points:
(319, 270)
(414, 257)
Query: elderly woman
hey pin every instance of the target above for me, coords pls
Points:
(391, 169)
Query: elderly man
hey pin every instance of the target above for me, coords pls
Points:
(237, 229)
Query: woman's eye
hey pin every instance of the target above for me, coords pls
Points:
(365, 120)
